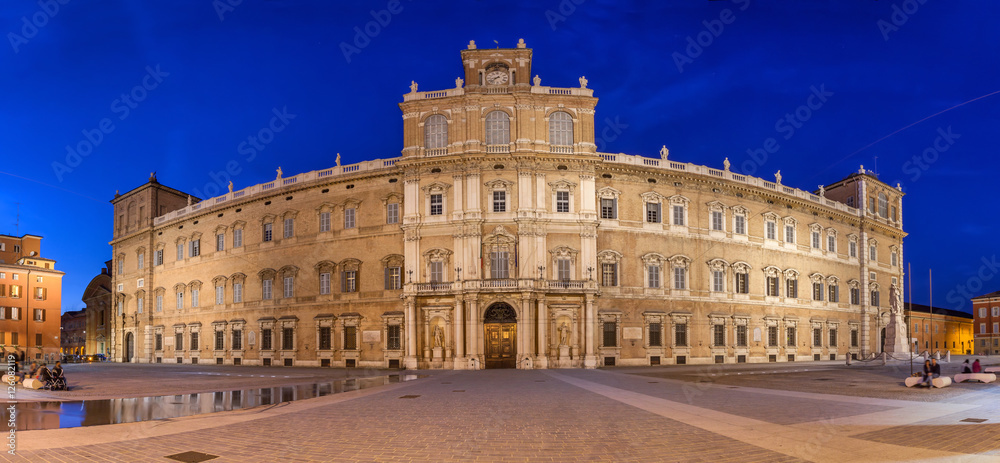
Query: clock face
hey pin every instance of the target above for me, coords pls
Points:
(496, 77)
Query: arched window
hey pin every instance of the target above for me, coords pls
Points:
(883, 205)
(435, 132)
(497, 128)
(560, 129)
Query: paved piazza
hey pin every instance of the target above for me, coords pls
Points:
(816, 411)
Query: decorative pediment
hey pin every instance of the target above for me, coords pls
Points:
(238, 277)
(266, 274)
(500, 236)
(437, 255)
(815, 227)
(498, 184)
(239, 224)
(219, 280)
(179, 287)
(679, 200)
(563, 252)
(741, 267)
(289, 214)
(608, 193)
(772, 271)
(267, 218)
(609, 256)
(562, 185)
(194, 284)
(220, 229)
(831, 231)
(718, 265)
(289, 271)
(325, 207)
(435, 188)
(392, 260)
(140, 250)
(853, 283)
(832, 280)
(740, 210)
(716, 206)
(652, 197)
(790, 220)
(325, 266)
(816, 278)
(350, 265)
(351, 203)
(391, 198)
(852, 238)
(680, 261)
(653, 258)
(791, 274)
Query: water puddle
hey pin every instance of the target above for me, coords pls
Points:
(59, 415)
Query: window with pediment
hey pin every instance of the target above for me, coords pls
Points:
(609, 262)
(392, 269)
(772, 275)
(498, 252)
(562, 195)
(435, 198)
(563, 261)
(741, 272)
(717, 269)
(497, 128)
(791, 283)
(716, 216)
(498, 193)
(770, 226)
(435, 132)
(855, 289)
(325, 270)
(560, 129)
(740, 215)
(608, 198)
(653, 265)
(350, 271)
(678, 210)
(679, 267)
(652, 207)
(436, 264)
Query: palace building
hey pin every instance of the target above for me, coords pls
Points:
(30, 297)
(501, 238)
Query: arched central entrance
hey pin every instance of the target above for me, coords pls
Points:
(129, 347)
(500, 324)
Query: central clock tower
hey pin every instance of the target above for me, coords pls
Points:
(497, 67)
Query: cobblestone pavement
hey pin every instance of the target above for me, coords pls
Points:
(624, 414)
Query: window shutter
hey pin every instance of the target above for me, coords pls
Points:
(3, 290)
(388, 283)
(43, 314)
(614, 208)
(45, 294)
(343, 282)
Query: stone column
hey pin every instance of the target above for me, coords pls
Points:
(473, 329)
(410, 356)
(524, 349)
(459, 326)
(542, 361)
(590, 317)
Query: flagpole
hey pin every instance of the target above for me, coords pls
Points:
(909, 314)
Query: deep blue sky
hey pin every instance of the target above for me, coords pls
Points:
(225, 76)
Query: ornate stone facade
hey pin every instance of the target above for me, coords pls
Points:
(502, 238)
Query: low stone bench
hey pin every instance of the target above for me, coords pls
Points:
(995, 369)
(981, 377)
(10, 379)
(32, 383)
(941, 381)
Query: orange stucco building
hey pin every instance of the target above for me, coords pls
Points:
(30, 299)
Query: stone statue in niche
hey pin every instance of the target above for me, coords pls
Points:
(438, 336)
(564, 334)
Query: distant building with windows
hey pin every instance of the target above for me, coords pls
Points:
(97, 300)
(502, 238)
(986, 323)
(72, 333)
(940, 330)
(30, 299)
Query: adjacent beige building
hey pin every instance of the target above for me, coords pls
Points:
(502, 238)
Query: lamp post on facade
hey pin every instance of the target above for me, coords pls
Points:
(410, 273)
(458, 273)
(541, 272)
(590, 273)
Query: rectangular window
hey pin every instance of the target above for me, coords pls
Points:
(772, 336)
(194, 248)
(655, 334)
(718, 281)
(499, 201)
(855, 296)
(158, 341)
(140, 260)
(996, 327)
(237, 293)
(562, 201)
(982, 328)
(875, 298)
(610, 334)
(324, 338)
(817, 291)
(237, 339)
(349, 281)
(179, 341)
(265, 339)
(324, 283)
(790, 336)
(791, 288)
(681, 334)
(653, 272)
(220, 340)
(653, 212)
(194, 297)
(266, 293)
(562, 269)
(349, 217)
(742, 283)
(854, 338)
(437, 272)
(393, 338)
(220, 295)
(437, 204)
(770, 228)
(790, 234)
(268, 230)
(982, 312)
(393, 278)
(833, 337)
(815, 240)
(180, 301)
(741, 335)
(831, 243)
(288, 230)
(287, 339)
(39, 315)
(772, 286)
(717, 220)
(220, 242)
(996, 311)
(852, 249)
(238, 238)
(871, 253)
(392, 213)
(324, 221)
(158, 257)
(740, 225)
(680, 278)
(499, 264)
(121, 266)
(609, 274)
(194, 341)
(817, 337)
(139, 303)
(834, 293)
(350, 338)
(679, 215)
(288, 287)
(893, 259)
(159, 303)
(718, 335)
(608, 209)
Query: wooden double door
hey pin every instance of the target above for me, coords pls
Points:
(501, 339)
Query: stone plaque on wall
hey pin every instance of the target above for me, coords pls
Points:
(371, 336)
(756, 335)
(632, 333)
